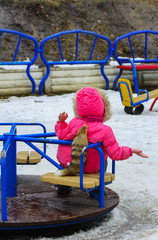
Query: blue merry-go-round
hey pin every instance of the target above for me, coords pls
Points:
(32, 202)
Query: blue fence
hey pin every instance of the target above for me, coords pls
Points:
(77, 52)
(106, 43)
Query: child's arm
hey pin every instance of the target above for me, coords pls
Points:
(62, 116)
(61, 127)
(115, 151)
(139, 153)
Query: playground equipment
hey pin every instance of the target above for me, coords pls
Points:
(135, 64)
(17, 51)
(133, 105)
(67, 56)
(31, 202)
(70, 48)
(53, 45)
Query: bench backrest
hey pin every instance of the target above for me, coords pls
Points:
(17, 54)
(131, 42)
(126, 92)
(74, 47)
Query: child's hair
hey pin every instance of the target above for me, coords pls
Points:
(107, 108)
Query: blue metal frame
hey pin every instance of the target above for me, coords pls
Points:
(121, 60)
(44, 134)
(97, 146)
(8, 161)
(102, 171)
(27, 63)
(132, 103)
(89, 61)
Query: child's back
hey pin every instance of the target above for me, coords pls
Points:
(91, 107)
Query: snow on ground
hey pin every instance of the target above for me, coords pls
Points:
(136, 216)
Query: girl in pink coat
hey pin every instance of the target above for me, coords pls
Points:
(91, 107)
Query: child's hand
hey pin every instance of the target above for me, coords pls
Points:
(62, 116)
(139, 153)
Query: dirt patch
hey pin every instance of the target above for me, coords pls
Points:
(113, 18)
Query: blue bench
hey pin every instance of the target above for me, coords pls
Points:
(16, 51)
(135, 64)
(72, 47)
(67, 55)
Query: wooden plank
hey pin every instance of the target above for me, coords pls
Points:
(152, 94)
(75, 73)
(150, 83)
(108, 176)
(90, 180)
(34, 157)
(75, 87)
(17, 83)
(68, 67)
(13, 75)
(15, 91)
(22, 157)
(73, 181)
(14, 84)
(77, 80)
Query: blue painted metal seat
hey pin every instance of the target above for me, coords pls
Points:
(87, 182)
(61, 46)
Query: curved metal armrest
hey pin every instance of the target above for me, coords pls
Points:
(97, 146)
(91, 145)
(143, 90)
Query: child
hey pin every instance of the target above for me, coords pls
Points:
(91, 107)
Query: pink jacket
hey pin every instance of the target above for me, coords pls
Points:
(89, 106)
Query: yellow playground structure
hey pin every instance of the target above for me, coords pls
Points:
(133, 105)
